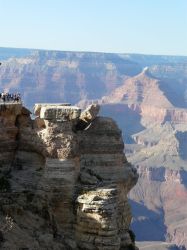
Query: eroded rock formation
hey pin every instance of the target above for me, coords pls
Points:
(64, 185)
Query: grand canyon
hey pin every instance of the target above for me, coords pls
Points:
(147, 96)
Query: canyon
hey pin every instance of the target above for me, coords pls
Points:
(147, 96)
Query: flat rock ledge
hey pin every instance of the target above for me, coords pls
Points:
(57, 112)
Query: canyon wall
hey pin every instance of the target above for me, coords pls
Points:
(159, 206)
(64, 180)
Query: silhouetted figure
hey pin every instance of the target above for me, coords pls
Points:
(7, 97)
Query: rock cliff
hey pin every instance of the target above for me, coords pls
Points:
(156, 144)
(64, 180)
(160, 210)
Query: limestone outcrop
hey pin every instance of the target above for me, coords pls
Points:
(63, 185)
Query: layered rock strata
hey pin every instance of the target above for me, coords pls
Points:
(162, 215)
(63, 185)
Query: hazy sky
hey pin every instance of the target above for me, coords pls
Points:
(134, 26)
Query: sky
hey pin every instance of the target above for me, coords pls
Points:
(121, 26)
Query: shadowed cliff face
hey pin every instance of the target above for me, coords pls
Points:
(129, 118)
(160, 210)
(61, 185)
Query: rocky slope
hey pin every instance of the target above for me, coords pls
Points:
(156, 145)
(160, 209)
(64, 180)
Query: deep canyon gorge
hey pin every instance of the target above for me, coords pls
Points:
(147, 96)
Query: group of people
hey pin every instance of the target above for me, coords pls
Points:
(7, 97)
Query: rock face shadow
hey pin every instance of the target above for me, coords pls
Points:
(129, 119)
(182, 139)
(147, 224)
(174, 91)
